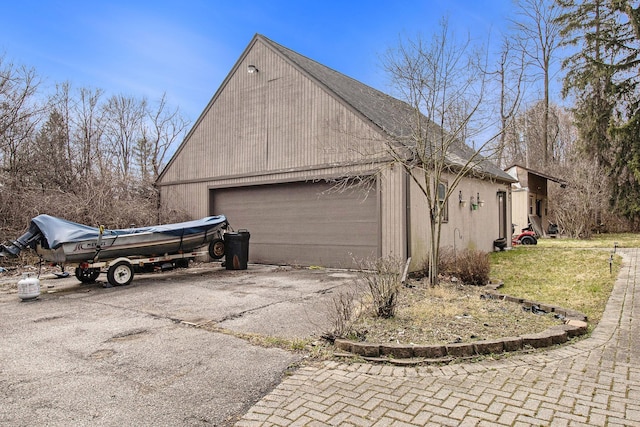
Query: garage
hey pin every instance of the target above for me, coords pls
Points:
(302, 223)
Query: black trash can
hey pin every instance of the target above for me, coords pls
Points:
(236, 250)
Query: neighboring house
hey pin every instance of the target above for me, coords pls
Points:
(529, 198)
(276, 135)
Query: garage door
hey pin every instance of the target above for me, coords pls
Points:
(302, 223)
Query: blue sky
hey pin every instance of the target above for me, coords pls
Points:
(186, 48)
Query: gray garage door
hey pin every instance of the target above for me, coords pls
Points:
(302, 223)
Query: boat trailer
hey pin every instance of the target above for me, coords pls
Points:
(121, 252)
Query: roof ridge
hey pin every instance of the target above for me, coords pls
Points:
(380, 108)
(293, 56)
(298, 54)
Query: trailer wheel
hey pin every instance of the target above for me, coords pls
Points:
(528, 240)
(87, 275)
(120, 273)
(216, 248)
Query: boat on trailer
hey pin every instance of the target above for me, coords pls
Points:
(93, 248)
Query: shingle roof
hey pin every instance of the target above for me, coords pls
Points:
(381, 109)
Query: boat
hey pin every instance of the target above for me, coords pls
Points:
(60, 241)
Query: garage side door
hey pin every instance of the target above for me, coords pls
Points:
(302, 223)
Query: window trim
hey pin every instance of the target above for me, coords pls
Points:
(442, 200)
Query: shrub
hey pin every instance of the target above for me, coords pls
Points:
(382, 279)
(470, 266)
(342, 313)
(447, 261)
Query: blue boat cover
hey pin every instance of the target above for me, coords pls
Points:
(58, 231)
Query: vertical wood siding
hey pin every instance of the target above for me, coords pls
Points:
(393, 213)
(271, 120)
(466, 228)
(187, 198)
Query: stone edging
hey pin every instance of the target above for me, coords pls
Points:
(405, 354)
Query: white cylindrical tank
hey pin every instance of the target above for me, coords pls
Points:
(28, 287)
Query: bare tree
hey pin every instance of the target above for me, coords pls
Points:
(509, 74)
(443, 85)
(576, 208)
(123, 128)
(525, 136)
(539, 37)
(163, 129)
(80, 155)
(19, 116)
(87, 130)
(566, 137)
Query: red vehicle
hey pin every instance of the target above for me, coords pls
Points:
(526, 237)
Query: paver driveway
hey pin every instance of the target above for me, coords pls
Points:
(593, 382)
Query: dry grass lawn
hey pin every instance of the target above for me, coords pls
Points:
(557, 272)
(450, 313)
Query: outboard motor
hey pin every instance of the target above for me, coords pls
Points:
(28, 239)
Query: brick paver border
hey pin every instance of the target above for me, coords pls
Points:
(412, 354)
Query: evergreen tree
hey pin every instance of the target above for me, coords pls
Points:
(603, 77)
(52, 154)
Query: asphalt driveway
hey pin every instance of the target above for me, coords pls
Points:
(134, 355)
